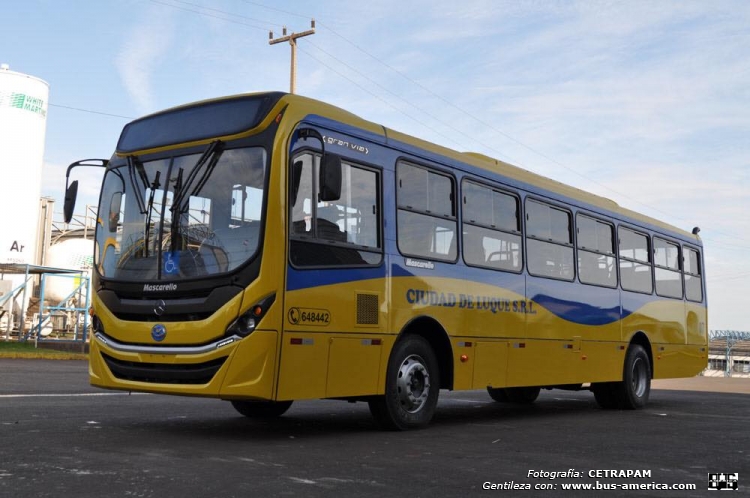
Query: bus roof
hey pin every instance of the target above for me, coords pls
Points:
(304, 106)
(312, 106)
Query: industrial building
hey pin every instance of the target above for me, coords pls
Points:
(44, 266)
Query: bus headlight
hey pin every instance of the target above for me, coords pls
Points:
(243, 326)
(96, 324)
(246, 323)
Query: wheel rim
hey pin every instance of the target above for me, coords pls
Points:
(640, 377)
(413, 384)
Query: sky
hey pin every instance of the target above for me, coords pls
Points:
(646, 103)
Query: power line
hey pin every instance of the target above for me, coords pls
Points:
(472, 116)
(277, 9)
(90, 111)
(208, 14)
(312, 56)
(337, 72)
(480, 121)
(378, 97)
(493, 128)
(488, 125)
(409, 103)
(429, 91)
(226, 13)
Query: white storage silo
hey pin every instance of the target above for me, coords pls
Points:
(69, 254)
(23, 124)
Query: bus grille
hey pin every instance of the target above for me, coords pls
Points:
(164, 373)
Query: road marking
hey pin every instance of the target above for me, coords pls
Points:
(69, 395)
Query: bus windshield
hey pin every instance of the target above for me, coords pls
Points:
(213, 228)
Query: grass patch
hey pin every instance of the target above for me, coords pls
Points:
(14, 349)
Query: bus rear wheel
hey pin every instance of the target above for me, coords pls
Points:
(632, 392)
(411, 388)
(261, 409)
(518, 395)
(605, 395)
(498, 394)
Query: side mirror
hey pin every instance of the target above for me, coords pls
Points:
(71, 191)
(330, 177)
(70, 200)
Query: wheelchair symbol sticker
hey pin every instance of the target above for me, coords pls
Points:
(171, 263)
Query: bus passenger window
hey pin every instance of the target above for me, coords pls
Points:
(667, 269)
(491, 228)
(692, 273)
(549, 244)
(635, 261)
(596, 252)
(426, 213)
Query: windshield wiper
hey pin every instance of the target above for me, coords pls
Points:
(209, 158)
(135, 165)
(180, 201)
(149, 209)
(175, 226)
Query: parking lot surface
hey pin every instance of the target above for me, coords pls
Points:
(61, 437)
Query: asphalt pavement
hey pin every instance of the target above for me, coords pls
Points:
(61, 437)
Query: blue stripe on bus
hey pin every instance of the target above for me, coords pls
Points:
(305, 279)
(595, 305)
(578, 312)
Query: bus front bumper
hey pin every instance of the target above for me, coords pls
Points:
(230, 368)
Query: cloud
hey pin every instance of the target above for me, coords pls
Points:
(144, 48)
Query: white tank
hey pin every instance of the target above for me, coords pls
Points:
(23, 124)
(70, 254)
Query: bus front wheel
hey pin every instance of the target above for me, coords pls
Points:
(411, 387)
(261, 409)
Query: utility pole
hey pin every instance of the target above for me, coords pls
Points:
(292, 39)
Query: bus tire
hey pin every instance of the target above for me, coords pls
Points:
(632, 393)
(498, 394)
(522, 395)
(412, 386)
(261, 409)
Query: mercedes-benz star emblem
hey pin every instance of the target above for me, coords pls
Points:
(160, 307)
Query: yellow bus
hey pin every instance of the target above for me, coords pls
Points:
(266, 248)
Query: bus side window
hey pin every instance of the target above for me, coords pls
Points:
(596, 252)
(667, 268)
(344, 232)
(491, 228)
(549, 242)
(635, 261)
(426, 216)
(692, 273)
